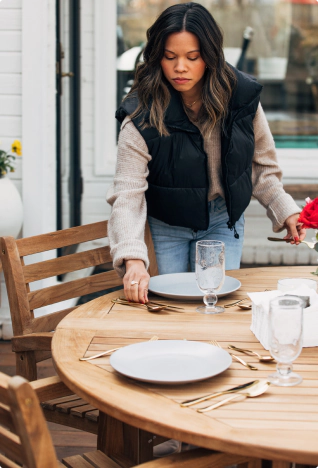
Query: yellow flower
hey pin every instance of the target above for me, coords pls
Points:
(16, 147)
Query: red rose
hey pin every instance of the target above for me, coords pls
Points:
(309, 215)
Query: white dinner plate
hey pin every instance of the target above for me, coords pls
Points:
(184, 286)
(170, 361)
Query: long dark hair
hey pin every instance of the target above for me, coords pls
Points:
(150, 83)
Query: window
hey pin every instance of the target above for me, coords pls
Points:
(282, 55)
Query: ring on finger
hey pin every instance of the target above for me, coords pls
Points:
(134, 282)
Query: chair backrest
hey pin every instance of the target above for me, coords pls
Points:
(18, 276)
(24, 436)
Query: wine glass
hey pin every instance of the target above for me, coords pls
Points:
(286, 337)
(210, 273)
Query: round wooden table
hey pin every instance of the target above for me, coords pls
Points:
(281, 424)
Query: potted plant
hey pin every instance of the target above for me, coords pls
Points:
(11, 209)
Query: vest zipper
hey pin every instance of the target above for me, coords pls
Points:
(231, 228)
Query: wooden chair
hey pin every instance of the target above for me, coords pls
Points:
(25, 439)
(32, 336)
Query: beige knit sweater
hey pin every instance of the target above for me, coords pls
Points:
(127, 193)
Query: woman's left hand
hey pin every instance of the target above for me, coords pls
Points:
(295, 231)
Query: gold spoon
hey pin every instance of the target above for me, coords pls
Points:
(257, 390)
(249, 352)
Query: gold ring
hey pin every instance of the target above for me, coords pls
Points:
(134, 282)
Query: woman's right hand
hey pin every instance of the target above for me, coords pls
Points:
(136, 271)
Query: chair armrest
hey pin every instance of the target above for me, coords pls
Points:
(50, 388)
(34, 342)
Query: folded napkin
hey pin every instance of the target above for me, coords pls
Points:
(260, 312)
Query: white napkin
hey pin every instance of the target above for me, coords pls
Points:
(260, 310)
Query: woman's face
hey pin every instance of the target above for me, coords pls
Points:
(182, 64)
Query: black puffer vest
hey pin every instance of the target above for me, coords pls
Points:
(178, 181)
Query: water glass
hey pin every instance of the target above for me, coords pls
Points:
(210, 273)
(286, 337)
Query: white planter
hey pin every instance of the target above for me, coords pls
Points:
(11, 208)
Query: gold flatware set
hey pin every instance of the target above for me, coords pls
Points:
(151, 306)
(253, 353)
(235, 303)
(216, 394)
(257, 389)
(237, 358)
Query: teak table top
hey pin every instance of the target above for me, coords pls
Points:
(281, 424)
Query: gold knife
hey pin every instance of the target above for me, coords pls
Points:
(213, 395)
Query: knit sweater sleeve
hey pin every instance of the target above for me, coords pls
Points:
(126, 226)
(266, 175)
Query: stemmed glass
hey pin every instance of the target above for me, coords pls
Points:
(286, 338)
(210, 273)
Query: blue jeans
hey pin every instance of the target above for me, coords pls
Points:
(175, 246)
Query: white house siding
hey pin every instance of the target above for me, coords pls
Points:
(27, 112)
(11, 78)
(10, 107)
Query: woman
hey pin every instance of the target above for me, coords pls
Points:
(194, 147)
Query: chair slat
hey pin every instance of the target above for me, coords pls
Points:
(4, 381)
(52, 403)
(10, 444)
(64, 238)
(69, 263)
(81, 411)
(49, 388)
(66, 407)
(76, 288)
(16, 287)
(92, 415)
(99, 459)
(5, 417)
(47, 323)
(6, 463)
(77, 461)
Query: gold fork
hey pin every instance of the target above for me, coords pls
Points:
(246, 364)
(105, 353)
(232, 304)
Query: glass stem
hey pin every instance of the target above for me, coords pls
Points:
(284, 369)
(210, 299)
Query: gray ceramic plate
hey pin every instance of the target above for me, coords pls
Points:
(170, 361)
(184, 286)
